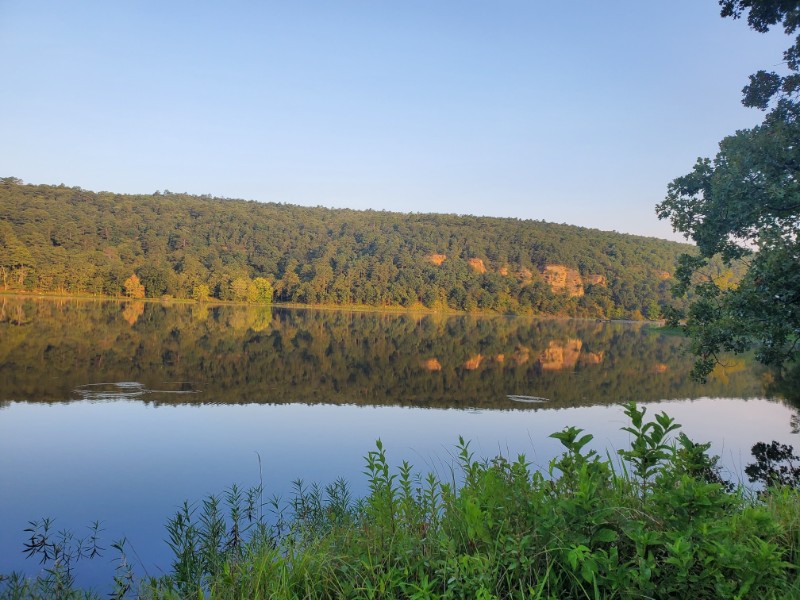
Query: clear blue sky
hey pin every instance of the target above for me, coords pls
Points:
(572, 112)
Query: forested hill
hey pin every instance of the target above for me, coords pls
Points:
(57, 238)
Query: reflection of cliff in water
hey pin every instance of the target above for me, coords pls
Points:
(49, 349)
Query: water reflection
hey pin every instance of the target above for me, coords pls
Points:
(56, 350)
(133, 407)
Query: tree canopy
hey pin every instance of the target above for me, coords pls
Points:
(67, 239)
(744, 205)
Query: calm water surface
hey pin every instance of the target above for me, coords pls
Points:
(119, 412)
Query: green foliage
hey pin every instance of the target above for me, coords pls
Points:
(495, 529)
(742, 207)
(207, 540)
(650, 446)
(15, 257)
(761, 16)
(261, 291)
(201, 292)
(59, 239)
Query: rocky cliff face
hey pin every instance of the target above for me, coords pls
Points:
(473, 362)
(560, 278)
(563, 280)
(597, 280)
(431, 364)
(477, 265)
(525, 276)
(592, 358)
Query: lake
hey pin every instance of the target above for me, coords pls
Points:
(119, 411)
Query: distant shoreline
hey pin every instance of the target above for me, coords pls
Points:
(323, 307)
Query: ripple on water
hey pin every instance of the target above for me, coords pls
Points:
(128, 390)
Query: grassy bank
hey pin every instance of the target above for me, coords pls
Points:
(655, 522)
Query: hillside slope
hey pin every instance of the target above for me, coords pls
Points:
(56, 238)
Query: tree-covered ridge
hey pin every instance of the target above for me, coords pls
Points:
(56, 238)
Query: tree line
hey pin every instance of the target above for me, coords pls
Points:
(70, 240)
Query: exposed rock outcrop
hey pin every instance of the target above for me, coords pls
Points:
(477, 265)
(597, 280)
(525, 275)
(593, 358)
(432, 364)
(473, 362)
(563, 280)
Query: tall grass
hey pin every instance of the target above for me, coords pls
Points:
(655, 522)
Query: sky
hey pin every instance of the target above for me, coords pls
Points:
(570, 112)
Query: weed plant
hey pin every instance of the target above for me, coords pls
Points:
(657, 521)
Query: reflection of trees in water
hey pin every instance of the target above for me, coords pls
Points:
(249, 354)
(784, 383)
(131, 311)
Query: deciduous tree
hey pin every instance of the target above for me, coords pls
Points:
(15, 258)
(744, 205)
(133, 287)
(261, 291)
